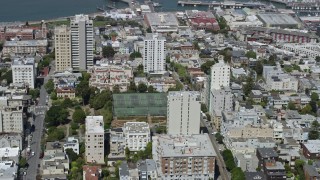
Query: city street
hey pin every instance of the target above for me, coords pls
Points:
(224, 174)
(33, 161)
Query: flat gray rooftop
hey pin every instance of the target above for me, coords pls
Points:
(278, 19)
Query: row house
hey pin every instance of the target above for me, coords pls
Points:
(106, 77)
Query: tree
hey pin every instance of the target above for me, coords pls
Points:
(132, 87)
(149, 30)
(299, 168)
(318, 58)
(116, 89)
(142, 87)
(34, 93)
(23, 162)
(291, 106)
(55, 116)
(247, 88)
(314, 96)
(219, 138)
(54, 96)
(108, 51)
(237, 174)
(7, 76)
(205, 67)
(314, 132)
(49, 86)
(127, 153)
(259, 68)
(151, 89)
(306, 110)
(204, 108)
(71, 154)
(251, 54)
(55, 134)
(196, 45)
(229, 160)
(67, 103)
(148, 151)
(79, 115)
(135, 54)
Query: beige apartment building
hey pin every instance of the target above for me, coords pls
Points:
(11, 120)
(62, 41)
(184, 157)
(95, 139)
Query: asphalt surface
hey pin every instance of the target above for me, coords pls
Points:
(224, 174)
(33, 161)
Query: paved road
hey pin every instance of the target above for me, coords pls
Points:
(33, 161)
(221, 164)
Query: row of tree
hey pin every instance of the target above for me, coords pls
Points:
(236, 172)
(143, 154)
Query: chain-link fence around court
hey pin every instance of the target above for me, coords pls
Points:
(140, 104)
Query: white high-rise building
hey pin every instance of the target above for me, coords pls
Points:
(62, 43)
(220, 100)
(95, 139)
(11, 121)
(82, 42)
(154, 53)
(23, 71)
(183, 112)
(220, 75)
(137, 135)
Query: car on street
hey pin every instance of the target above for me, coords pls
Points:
(32, 154)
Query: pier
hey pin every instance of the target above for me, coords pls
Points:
(225, 5)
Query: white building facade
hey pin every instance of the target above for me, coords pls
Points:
(11, 121)
(154, 53)
(82, 42)
(183, 113)
(94, 139)
(23, 71)
(220, 75)
(137, 135)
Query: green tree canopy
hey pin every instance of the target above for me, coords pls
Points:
(71, 154)
(132, 87)
(142, 87)
(135, 54)
(49, 86)
(237, 174)
(55, 134)
(23, 162)
(151, 89)
(259, 68)
(108, 51)
(79, 115)
(116, 89)
(314, 96)
(251, 54)
(291, 106)
(205, 67)
(247, 88)
(34, 93)
(55, 116)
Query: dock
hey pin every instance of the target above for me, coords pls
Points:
(225, 5)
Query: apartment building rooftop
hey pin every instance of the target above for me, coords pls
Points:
(313, 146)
(43, 42)
(9, 152)
(23, 61)
(94, 124)
(136, 127)
(8, 169)
(267, 152)
(195, 94)
(184, 146)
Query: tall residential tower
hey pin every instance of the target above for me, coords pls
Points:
(154, 53)
(82, 42)
(62, 41)
(183, 112)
